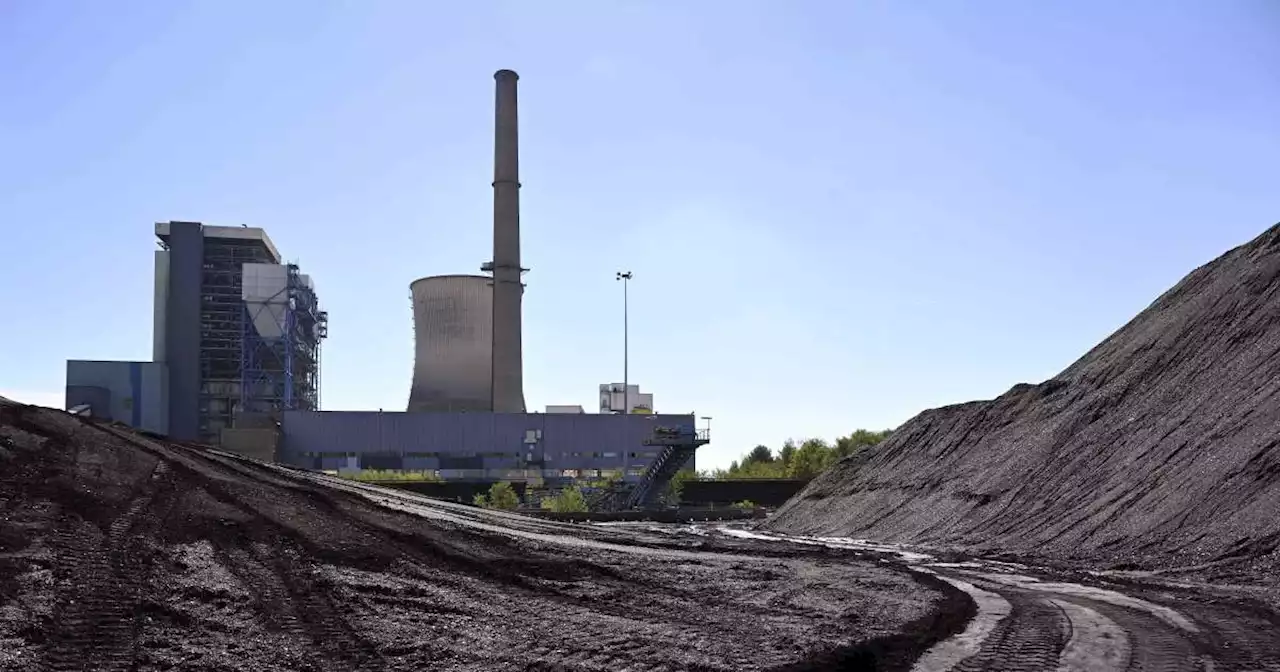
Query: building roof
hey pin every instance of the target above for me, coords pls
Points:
(248, 233)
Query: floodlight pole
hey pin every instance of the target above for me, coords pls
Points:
(625, 277)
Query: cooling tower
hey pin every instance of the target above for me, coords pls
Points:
(453, 344)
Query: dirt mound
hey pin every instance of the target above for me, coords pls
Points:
(120, 552)
(1161, 446)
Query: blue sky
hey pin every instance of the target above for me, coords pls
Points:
(838, 213)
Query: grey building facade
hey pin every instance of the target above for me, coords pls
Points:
(130, 392)
(477, 446)
(205, 340)
(203, 321)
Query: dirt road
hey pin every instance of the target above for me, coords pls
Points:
(1031, 619)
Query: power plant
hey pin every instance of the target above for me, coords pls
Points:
(237, 364)
(236, 331)
(467, 328)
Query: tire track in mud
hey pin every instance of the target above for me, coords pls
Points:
(1159, 637)
(1077, 628)
(1154, 645)
(288, 599)
(992, 608)
(101, 586)
(1029, 639)
(1029, 623)
(1096, 642)
(91, 623)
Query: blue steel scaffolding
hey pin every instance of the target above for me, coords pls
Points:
(281, 370)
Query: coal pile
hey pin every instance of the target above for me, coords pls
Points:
(123, 552)
(1160, 448)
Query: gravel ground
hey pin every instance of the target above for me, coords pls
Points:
(119, 552)
(1157, 450)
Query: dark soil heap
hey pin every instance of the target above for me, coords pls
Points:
(120, 552)
(1159, 447)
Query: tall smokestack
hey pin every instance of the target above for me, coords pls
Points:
(508, 366)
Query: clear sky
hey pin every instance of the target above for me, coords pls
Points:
(838, 213)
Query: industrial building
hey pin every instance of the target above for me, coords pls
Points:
(237, 362)
(467, 328)
(466, 416)
(235, 330)
(530, 447)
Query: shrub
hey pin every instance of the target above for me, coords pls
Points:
(503, 496)
(675, 488)
(569, 500)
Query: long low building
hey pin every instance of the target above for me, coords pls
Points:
(478, 446)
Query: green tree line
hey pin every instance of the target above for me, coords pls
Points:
(806, 460)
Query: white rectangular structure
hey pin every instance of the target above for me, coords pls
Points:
(565, 408)
(613, 399)
(265, 291)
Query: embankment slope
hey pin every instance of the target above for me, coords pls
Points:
(1159, 447)
(120, 552)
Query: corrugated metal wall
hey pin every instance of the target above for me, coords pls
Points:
(373, 440)
(135, 392)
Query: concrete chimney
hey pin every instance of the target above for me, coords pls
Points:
(508, 365)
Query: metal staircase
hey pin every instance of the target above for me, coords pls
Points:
(611, 498)
(680, 444)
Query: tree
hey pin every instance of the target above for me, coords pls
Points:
(675, 488)
(788, 451)
(810, 459)
(501, 496)
(568, 500)
(774, 469)
(758, 454)
(858, 441)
